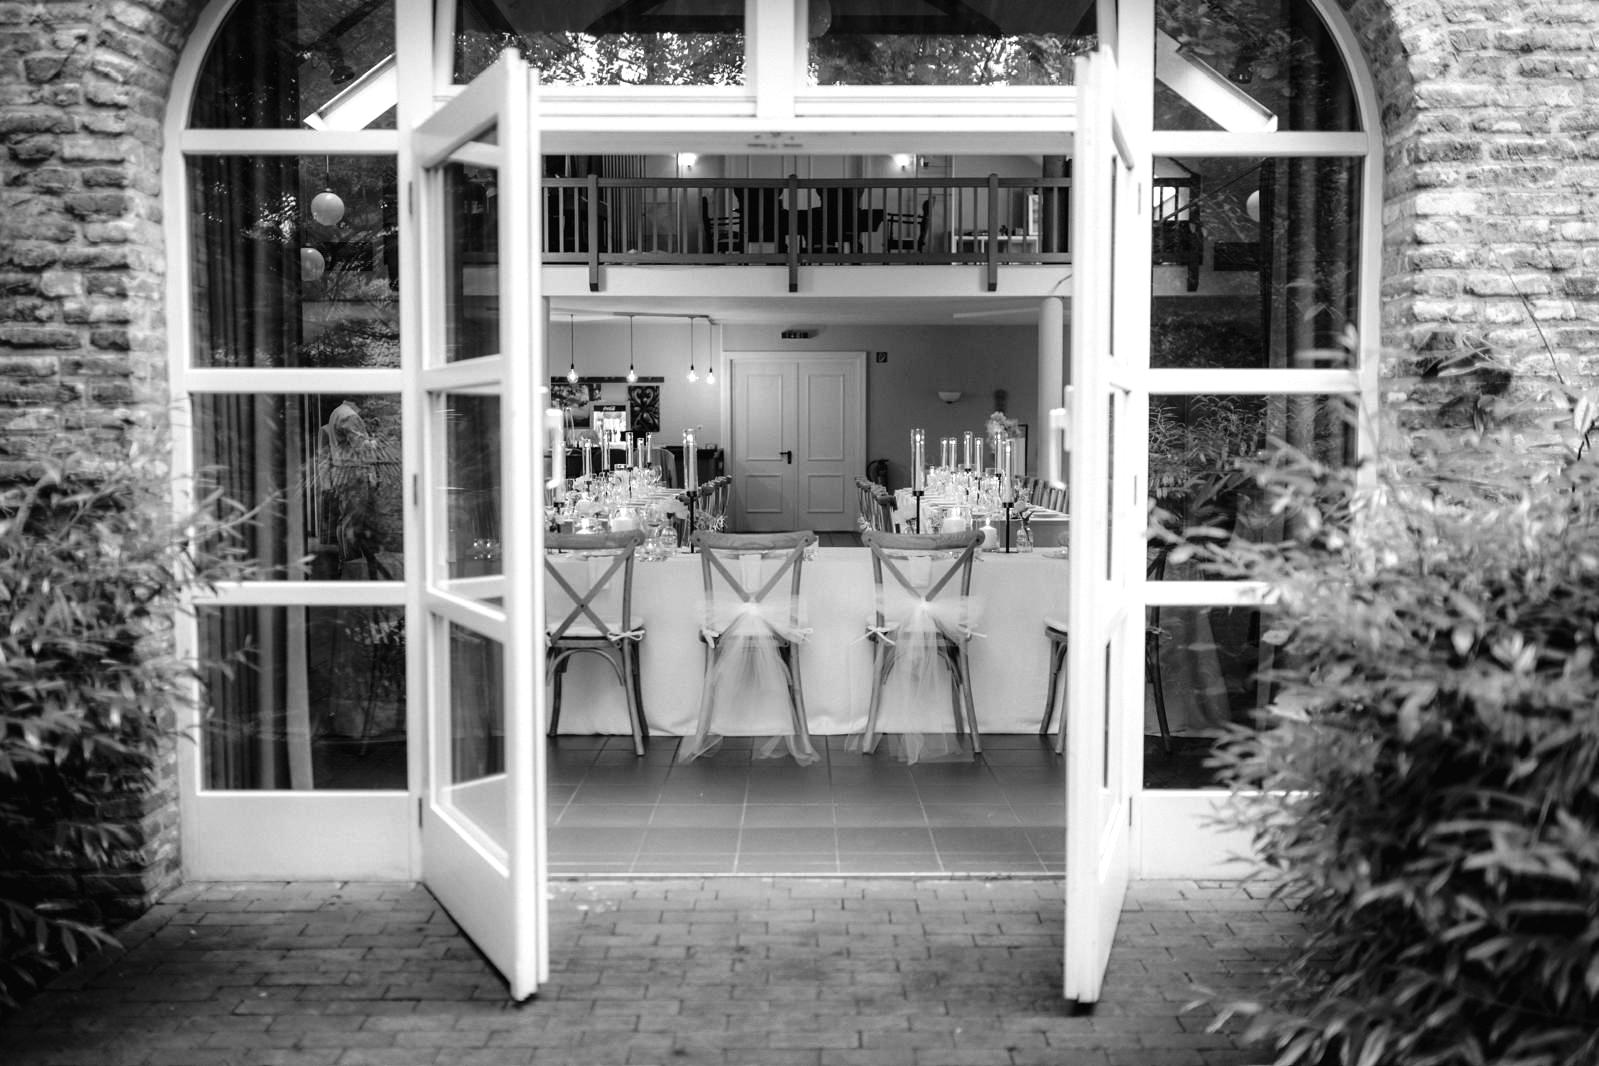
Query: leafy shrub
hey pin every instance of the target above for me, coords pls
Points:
(1427, 782)
(91, 566)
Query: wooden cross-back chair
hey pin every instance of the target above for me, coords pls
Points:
(950, 638)
(769, 611)
(584, 591)
(723, 233)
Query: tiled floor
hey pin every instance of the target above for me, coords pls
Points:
(614, 813)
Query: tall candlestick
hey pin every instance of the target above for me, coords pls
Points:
(691, 465)
(966, 449)
(1007, 487)
(918, 460)
(977, 455)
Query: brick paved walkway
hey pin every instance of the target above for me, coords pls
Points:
(819, 972)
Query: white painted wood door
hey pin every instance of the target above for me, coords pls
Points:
(1108, 409)
(479, 599)
(796, 440)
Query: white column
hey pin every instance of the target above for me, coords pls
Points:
(1051, 375)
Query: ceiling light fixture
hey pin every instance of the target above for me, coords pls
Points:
(571, 346)
(692, 374)
(632, 374)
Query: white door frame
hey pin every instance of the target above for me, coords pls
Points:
(854, 360)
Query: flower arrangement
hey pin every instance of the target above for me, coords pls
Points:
(1000, 426)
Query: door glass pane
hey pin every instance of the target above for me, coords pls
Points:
(295, 261)
(472, 494)
(981, 42)
(322, 473)
(1255, 262)
(314, 698)
(1198, 446)
(1204, 668)
(1276, 55)
(472, 262)
(606, 42)
(475, 780)
(288, 64)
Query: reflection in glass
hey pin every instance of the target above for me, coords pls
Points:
(472, 261)
(288, 64)
(1281, 238)
(981, 42)
(322, 472)
(283, 275)
(1198, 446)
(1277, 55)
(315, 698)
(472, 485)
(1211, 664)
(477, 730)
(606, 42)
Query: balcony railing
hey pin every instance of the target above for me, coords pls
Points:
(793, 222)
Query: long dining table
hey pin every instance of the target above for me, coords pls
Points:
(1009, 662)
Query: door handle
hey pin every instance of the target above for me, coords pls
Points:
(788, 457)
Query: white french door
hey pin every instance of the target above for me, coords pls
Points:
(480, 590)
(1108, 411)
(796, 439)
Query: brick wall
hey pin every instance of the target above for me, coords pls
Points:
(1491, 215)
(83, 88)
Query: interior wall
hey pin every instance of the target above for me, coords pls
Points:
(661, 348)
(918, 363)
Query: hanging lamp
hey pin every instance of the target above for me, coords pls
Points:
(632, 374)
(571, 345)
(710, 370)
(327, 207)
(692, 374)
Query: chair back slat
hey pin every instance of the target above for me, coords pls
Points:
(619, 550)
(718, 549)
(961, 549)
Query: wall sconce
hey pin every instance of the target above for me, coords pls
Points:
(1252, 205)
(904, 162)
(686, 160)
(949, 396)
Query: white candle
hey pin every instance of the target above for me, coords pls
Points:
(588, 458)
(1007, 486)
(966, 449)
(977, 454)
(691, 464)
(954, 523)
(918, 460)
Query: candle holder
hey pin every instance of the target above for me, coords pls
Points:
(916, 522)
(1008, 505)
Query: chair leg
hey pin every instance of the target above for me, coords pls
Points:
(1152, 666)
(638, 694)
(962, 671)
(635, 704)
(880, 668)
(557, 667)
(1057, 664)
(703, 725)
(796, 691)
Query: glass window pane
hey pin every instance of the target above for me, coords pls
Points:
(981, 42)
(607, 42)
(1204, 669)
(472, 492)
(1197, 445)
(289, 64)
(295, 261)
(323, 473)
(475, 782)
(315, 698)
(472, 262)
(1255, 262)
(1218, 66)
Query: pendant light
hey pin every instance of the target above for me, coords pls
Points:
(327, 207)
(571, 341)
(692, 374)
(710, 371)
(632, 374)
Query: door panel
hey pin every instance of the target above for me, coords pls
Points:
(479, 593)
(1104, 707)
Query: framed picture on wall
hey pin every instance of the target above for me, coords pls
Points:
(580, 400)
(644, 406)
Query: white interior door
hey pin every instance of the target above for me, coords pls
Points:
(1108, 410)
(480, 592)
(796, 440)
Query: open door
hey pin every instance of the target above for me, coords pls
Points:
(1108, 413)
(480, 592)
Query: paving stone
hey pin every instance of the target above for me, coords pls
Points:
(827, 971)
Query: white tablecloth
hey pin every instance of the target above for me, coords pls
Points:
(1009, 664)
